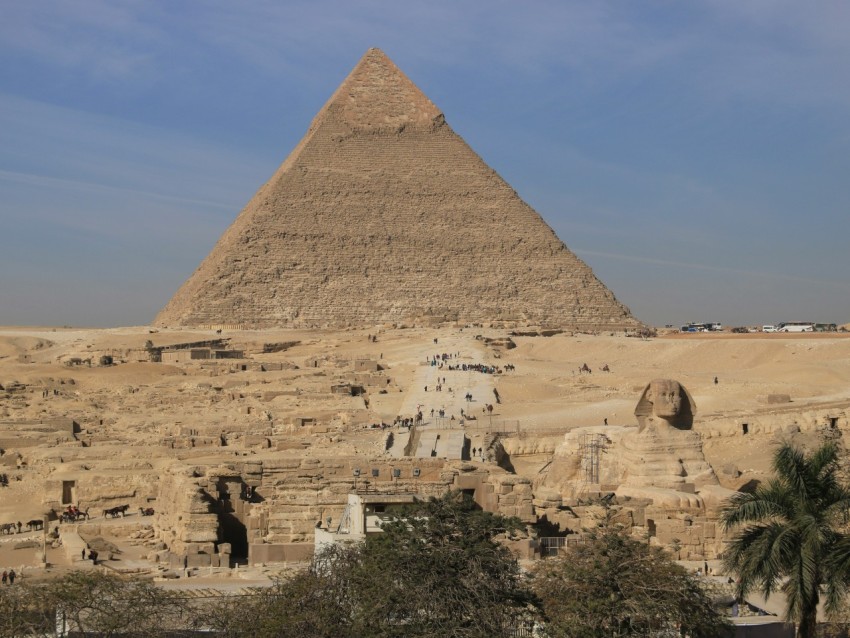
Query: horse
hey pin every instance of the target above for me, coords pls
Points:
(73, 516)
(7, 528)
(115, 511)
(34, 524)
(146, 511)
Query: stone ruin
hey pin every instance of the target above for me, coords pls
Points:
(241, 459)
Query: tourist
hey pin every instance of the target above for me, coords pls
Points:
(12, 576)
(5, 576)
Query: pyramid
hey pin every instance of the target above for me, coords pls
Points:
(383, 214)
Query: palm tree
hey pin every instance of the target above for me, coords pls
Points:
(791, 535)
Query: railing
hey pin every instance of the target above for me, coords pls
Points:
(554, 545)
(489, 425)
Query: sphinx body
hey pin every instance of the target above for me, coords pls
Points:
(660, 459)
(665, 452)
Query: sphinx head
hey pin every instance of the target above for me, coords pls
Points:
(667, 403)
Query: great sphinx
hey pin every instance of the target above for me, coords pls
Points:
(665, 404)
(663, 459)
(660, 458)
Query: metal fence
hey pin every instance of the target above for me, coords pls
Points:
(554, 545)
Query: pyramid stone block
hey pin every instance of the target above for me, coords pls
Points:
(383, 214)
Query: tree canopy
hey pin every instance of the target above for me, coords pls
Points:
(436, 570)
(615, 585)
(91, 604)
(791, 534)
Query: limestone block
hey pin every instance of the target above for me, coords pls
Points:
(251, 440)
(526, 513)
(507, 499)
(666, 536)
(199, 548)
(198, 504)
(197, 532)
(569, 523)
(270, 466)
(675, 525)
(198, 560)
(623, 517)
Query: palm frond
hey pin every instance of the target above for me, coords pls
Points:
(793, 531)
(767, 502)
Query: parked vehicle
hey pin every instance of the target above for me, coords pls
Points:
(770, 328)
(795, 326)
(826, 327)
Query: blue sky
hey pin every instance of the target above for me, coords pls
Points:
(695, 154)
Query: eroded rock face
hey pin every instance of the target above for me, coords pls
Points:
(378, 178)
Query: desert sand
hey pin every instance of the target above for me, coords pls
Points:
(294, 422)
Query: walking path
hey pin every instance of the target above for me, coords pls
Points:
(435, 439)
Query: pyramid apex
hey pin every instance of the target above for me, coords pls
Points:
(378, 95)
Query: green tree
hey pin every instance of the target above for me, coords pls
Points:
(790, 534)
(615, 585)
(436, 570)
(305, 605)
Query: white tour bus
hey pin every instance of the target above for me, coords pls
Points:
(795, 326)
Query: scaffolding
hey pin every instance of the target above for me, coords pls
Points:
(591, 447)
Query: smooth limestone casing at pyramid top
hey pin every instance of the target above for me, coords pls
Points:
(383, 214)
